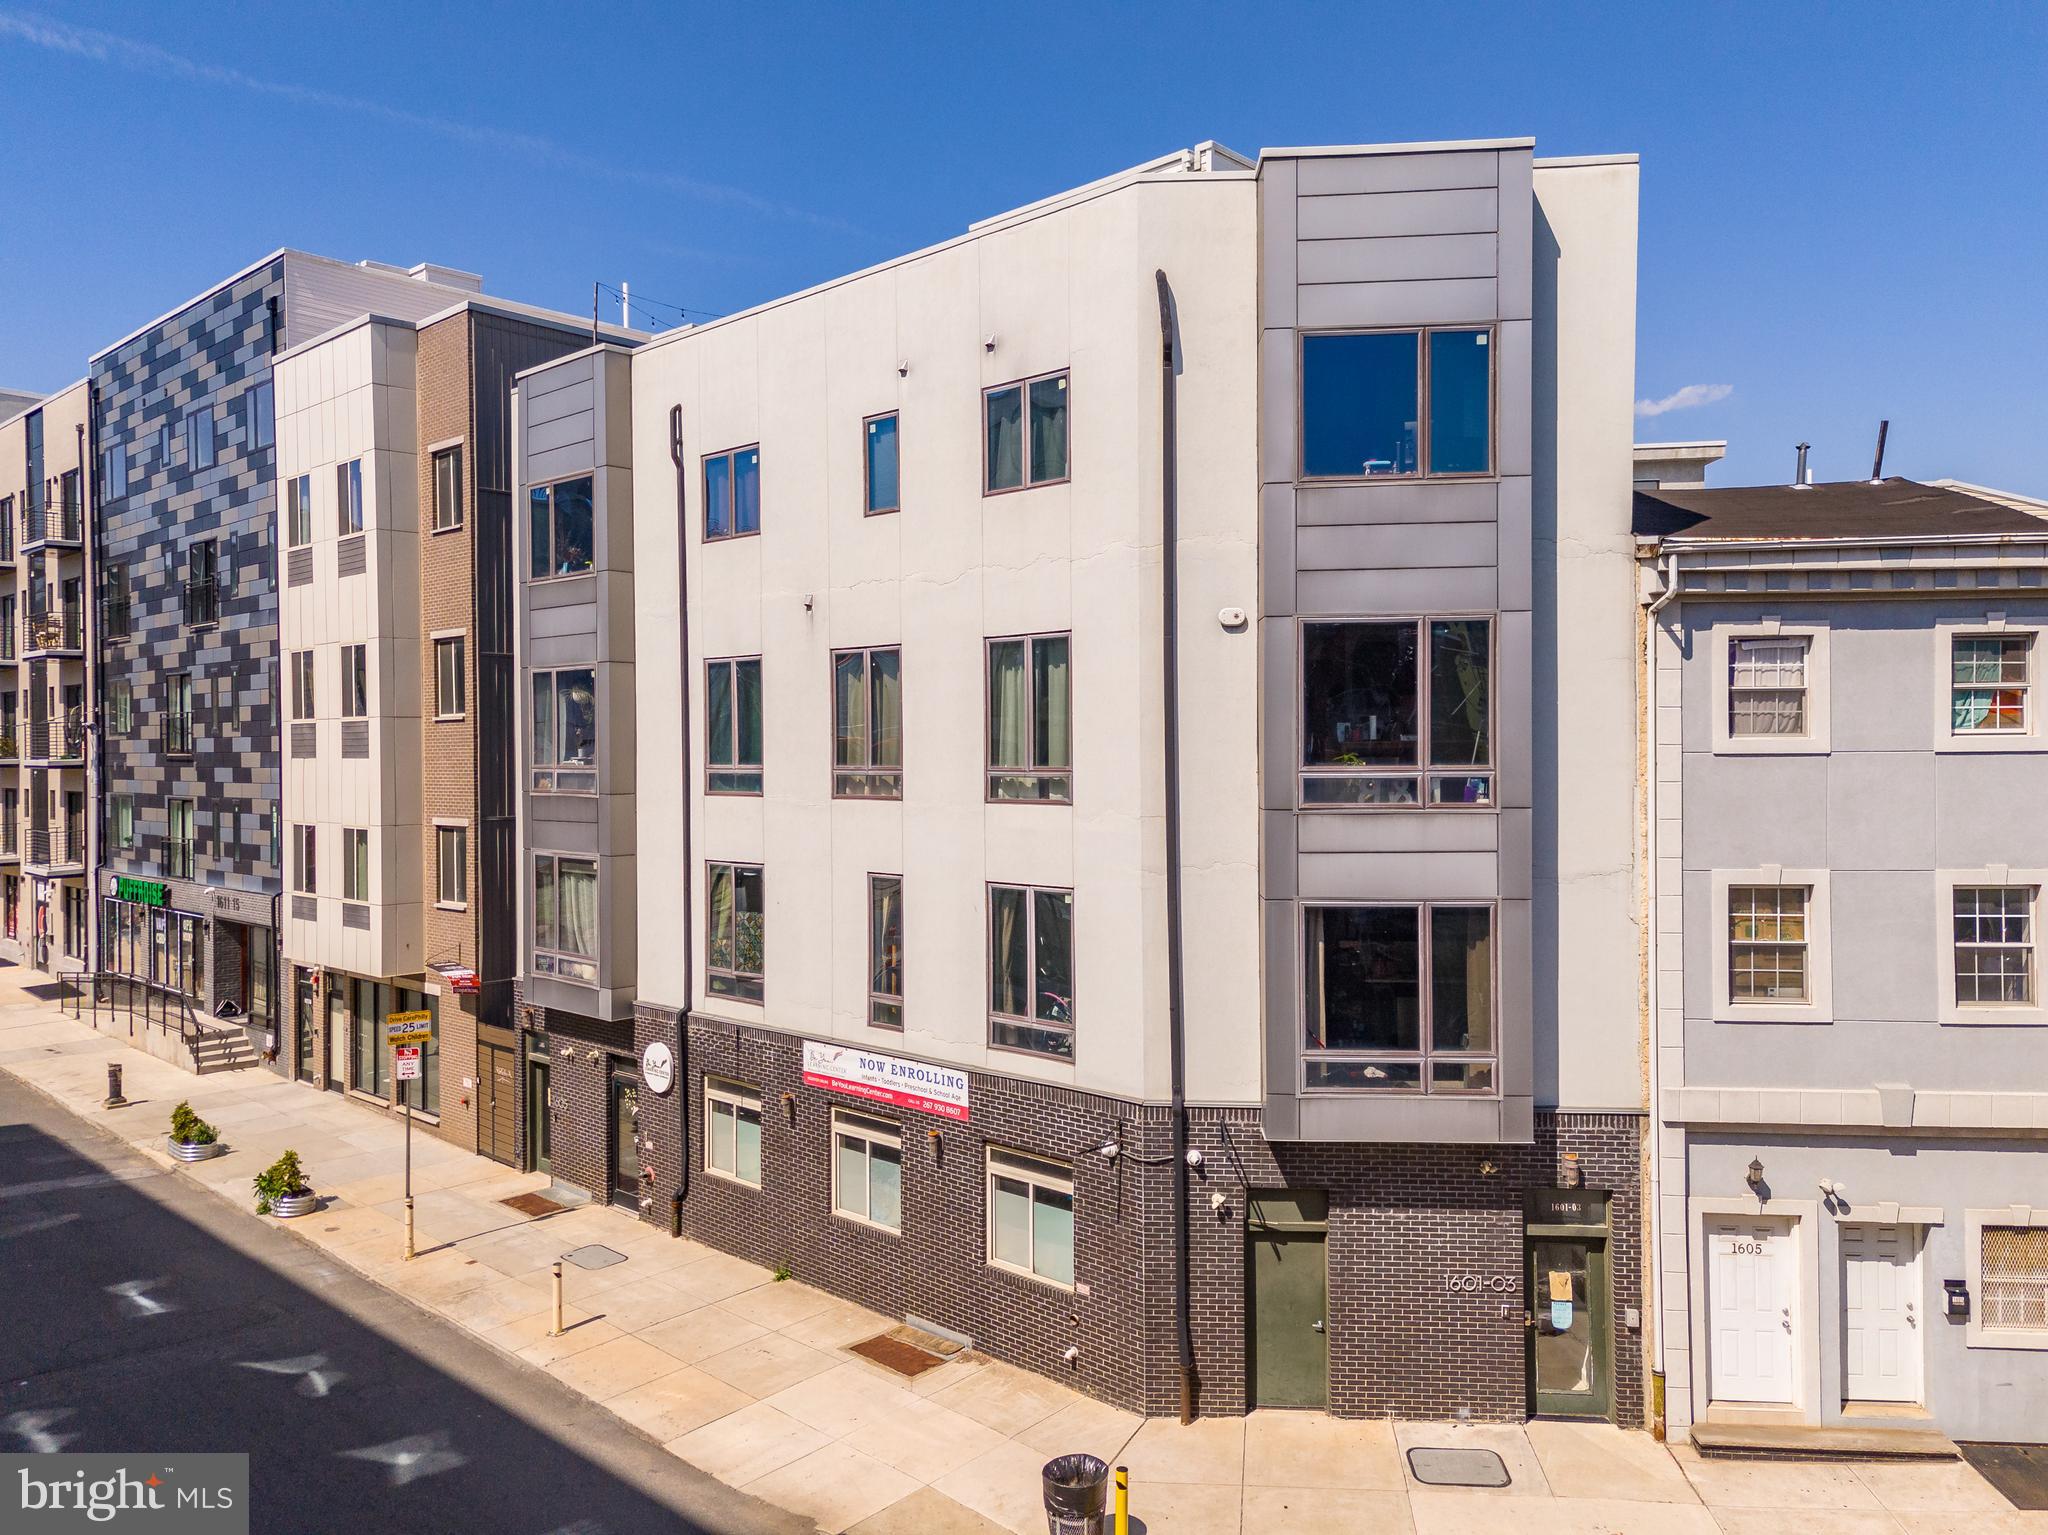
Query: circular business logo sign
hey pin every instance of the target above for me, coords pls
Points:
(658, 1067)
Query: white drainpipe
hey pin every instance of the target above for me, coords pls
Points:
(1654, 1290)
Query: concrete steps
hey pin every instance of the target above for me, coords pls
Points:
(1807, 1441)
(221, 1050)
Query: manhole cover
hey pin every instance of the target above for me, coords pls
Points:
(593, 1257)
(535, 1205)
(906, 1350)
(1458, 1468)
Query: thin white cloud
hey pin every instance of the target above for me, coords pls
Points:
(147, 58)
(1685, 399)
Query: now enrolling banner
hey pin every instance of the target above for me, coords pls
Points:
(883, 1079)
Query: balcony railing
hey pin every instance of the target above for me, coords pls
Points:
(116, 620)
(202, 601)
(58, 629)
(60, 524)
(53, 846)
(10, 645)
(58, 740)
(10, 740)
(7, 537)
(178, 734)
(10, 837)
(177, 857)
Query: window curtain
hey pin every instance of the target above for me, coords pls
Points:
(544, 925)
(1052, 747)
(886, 704)
(1005, 410)
(849, 711)
(719, 917)
(1049, 429)
(1006, 981)
(577, 894)
(1007, 706)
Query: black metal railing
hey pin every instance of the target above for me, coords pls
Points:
(177, 857)
(52, 845)
(58, 740)
(116, 620)
(58, 629)
(178, 734)
(7, 536)
(202, 601)
(59, 524)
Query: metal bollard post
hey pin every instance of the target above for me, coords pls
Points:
(408, 1227)
(114, 1098)
(1123, 1500)
(556, 1330)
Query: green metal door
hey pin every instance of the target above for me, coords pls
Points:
(1290, 1307)
(1570, 1353)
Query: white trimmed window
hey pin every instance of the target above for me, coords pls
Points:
(2005, 1261)
(447, 490)
(1031, 1217)
(732, 1131)
(451, 849)
(1984, 686)
(449, 676)
(1770, 687)
(867, 1170)
(1771, 946)
(1994, 945)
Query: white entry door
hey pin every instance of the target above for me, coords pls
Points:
(1881, 1313)
(1750, 1326)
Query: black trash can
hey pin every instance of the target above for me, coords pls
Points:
(1076, 1495)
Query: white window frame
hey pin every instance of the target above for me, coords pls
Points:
(359, 707)
(443, 453)
(1037, 1172)
(1818, 735)
(461, 830)
(305, 859)
(1975, 1333)
(736, 1096)
(1992, 626)
(459, 639)
(1819, 1006)
(1984, 1014)
(871, 1132)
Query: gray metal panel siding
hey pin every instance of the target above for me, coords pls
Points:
(1397, 240)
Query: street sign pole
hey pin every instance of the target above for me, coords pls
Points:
(408, 1034)
(408, 1176)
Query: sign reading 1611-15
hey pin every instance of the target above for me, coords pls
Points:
(408, 1028)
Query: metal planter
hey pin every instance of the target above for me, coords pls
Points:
(184, 1153)
(295, 1204)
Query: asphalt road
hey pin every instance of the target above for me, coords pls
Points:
(127, 1324)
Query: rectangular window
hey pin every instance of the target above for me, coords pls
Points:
(884, 493)
(2014, 1283)
(178, 715)
(732, 726)
(199, 445)
(202, 583)
(736, 920)
(565, 731)
(305, 861)
(867, 1169)
(1989, 683)
(114, 472)
(447, 489)
(298, 511)
(448, 678)
(1016, 455)
(562, 528)
(1363, 414)
(1367, 688)
(123, 820)
(120, 708)
(302, 684)
(1767, 686)
(355, 864)
(451, 845)
(166, 434)
(178, 849)
(885, 951)
(1031, 1217)
(1994, 939)
(1767, 943)
(259, 419)
(565, 917)
(867, 724)
(119, 618)
(732, 1131)
(1031, 970)
(732, 493)
(1030, 714)
(1399, 998)
(348, 497)
(355, 682)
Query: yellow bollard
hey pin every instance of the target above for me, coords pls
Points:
(556, 1330)
(1123, 1500)
(408, 1228)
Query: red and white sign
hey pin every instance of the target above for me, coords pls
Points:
(937, 1090)
(407, 1059)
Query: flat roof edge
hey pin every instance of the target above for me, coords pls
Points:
(1564, 162)
(42, 400)
(581, 352)
(1421, 147)
(171, 314)
(336, 332)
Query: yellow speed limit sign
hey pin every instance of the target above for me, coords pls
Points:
(408, 1028)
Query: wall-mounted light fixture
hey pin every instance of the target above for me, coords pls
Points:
(1755, 1176)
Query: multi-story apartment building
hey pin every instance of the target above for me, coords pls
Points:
(184, 421)
(1080, 783)
(1846, 760)
(395, 517)
(46, 682)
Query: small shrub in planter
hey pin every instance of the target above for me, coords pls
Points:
(192, 1138)
(282, 1183)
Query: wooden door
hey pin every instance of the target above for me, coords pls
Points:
(497, 1103)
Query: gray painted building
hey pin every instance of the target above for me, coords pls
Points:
(1847, 762)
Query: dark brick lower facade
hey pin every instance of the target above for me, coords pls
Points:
(1403, 1221)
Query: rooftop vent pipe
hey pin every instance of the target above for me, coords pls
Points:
(1800, 480)
(1877, 463)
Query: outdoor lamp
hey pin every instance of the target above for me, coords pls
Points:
(1756, 1173)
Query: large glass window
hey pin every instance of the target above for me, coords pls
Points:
(1399, 998)
(447, 489)
(1767, 943)
(885, 950)
(348, 497)
(1767, 685)
(369, 1056)
(298, 511)
(1030, 713)
(732, 493)
(355, 682)
(732, 1131)
(1031, 1216)
(1994, 939)
(1016, 452)
(562, 529)
(1031, 969)
(450, 677)
(355, 864)
(867, 1169)
(736, 920)
(1367, 688)
(867, 724)
(732, 726)
(565, 731)
(884, 480)
(1362, 403)
(565, 917)
(1989, 686)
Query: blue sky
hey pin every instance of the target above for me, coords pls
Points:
(1845, 209)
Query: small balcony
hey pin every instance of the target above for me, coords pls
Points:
(202, 602)
(62, 524)
(57, 741)
(56, 848)
(177, 730)
(58, 632)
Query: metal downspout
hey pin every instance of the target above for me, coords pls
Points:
(1654, 1289)
(675, 453)
(96, 770)
(1175, 993)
